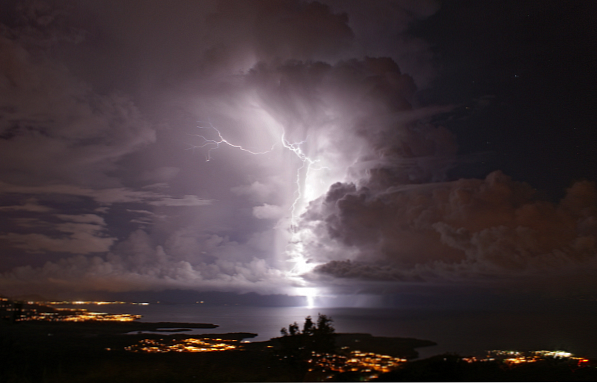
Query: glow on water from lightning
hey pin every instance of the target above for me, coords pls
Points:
(310, 294)
(308, 187)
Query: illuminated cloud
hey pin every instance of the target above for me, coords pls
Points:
(257, 191)
(466, 230)
(79, 234)
(161, 174)
(266, 211)
(138, 264)
(54, 127)
(107, 196)
(106, 108)
(187, 200)
(30, 205)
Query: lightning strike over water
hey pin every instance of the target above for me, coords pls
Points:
(294, 248)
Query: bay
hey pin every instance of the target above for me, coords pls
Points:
(466, 332)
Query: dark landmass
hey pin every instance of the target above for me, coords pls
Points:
(452, 368)
(95, 352)
(31, 298)
(396, 347)
(91, 328)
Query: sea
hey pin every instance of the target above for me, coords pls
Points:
(465, 332)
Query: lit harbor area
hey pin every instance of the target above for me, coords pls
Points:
(98, 303)
(512, 358)
(120, 340)
(78, 316)
(17, 311)
(369, 365)
(355, 361)
(184, 345)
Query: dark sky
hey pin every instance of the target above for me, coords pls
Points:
(295, 147)
(534, 61)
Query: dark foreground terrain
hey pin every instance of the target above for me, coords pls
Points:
(95, 352)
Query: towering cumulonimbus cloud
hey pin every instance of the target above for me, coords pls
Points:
(110, 109)
(92, 92)
(466, 231)
(354, 122)
(349, 116)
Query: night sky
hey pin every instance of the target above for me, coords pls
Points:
(300, 148)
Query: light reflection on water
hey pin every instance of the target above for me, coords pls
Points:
(460, 331)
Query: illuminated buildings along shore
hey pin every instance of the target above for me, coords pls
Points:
(42, 311)
(355, 361)
(512, 358)
(184, 345)
(368, 363)
(79, 316)
(98, 303)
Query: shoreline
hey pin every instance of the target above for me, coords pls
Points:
(46, 333)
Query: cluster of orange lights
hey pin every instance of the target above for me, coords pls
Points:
(184, 345)
(98, 303)
(514, 358)
(356, 361)
(43, 311)
(76, 315)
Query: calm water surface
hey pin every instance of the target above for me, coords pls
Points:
(462, 331)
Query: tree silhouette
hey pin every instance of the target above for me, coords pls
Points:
(299, 347)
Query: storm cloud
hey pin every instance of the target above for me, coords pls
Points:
(469, 230)
(220, 145)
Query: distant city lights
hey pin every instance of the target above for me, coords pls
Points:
(99, 303)
(184, 345)
(513, 358)
(43, 311)
(355, 361)
(78, 316)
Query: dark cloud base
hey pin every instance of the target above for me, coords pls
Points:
(486, 232)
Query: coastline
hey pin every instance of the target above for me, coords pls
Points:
(123, 352)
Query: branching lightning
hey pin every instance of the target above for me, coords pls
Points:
(215, 144)
(301, 264)
(307, 164)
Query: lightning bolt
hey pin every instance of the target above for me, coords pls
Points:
(303, 172)
(307, 164)
(215, 144)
